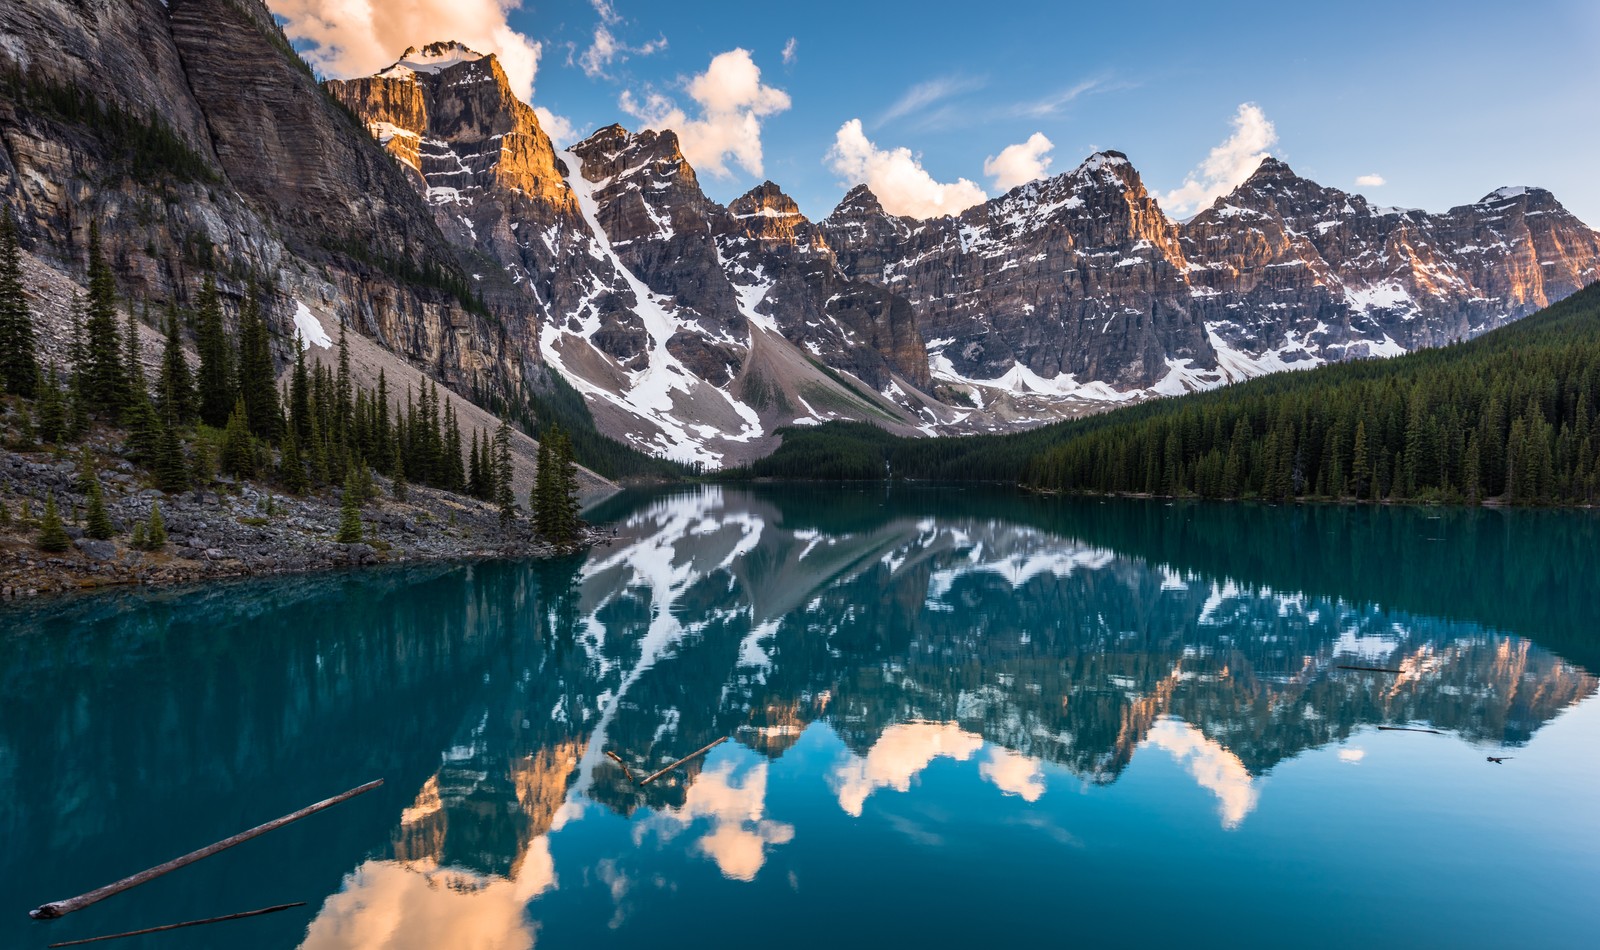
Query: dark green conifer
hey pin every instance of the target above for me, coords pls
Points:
(97, 521)
(176, 387)
(258, 386)
(156, 529)
(52, 533)
(19, 365)
(170, 469)
(505, 496)
(215, 379)
(350, 510)
(238, 447)
(103, 371)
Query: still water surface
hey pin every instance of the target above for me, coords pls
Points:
(956, 718)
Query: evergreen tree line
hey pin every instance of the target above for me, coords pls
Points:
(1512, 418)
(228, 414)
(146, 146)
(1512, 415)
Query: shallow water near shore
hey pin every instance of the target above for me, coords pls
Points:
(954, 716)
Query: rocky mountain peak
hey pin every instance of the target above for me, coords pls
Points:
(858, 202)
(432, 59)
(765, 213)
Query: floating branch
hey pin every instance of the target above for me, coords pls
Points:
(1409, 729)
(693, 755)
(187, 923)
(617, 759)
(62, 908)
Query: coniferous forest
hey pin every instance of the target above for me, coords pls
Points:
(229, 415)
(1509, 416)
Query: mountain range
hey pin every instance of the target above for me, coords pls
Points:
(425, 207)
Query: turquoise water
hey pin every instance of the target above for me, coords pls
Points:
(956, 717)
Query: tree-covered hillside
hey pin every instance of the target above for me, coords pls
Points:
(1509, 415)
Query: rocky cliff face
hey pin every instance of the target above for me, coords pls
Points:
(1286, 267)
(278, 184)
(1079, 288)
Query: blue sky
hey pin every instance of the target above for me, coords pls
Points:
(1443, 101)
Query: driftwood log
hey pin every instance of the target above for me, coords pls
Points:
(62, 908)
(693, 755)
(187, 923)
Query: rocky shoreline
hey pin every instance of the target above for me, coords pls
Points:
(231, 530)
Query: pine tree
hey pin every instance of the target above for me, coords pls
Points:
(215, 379)
(291, 467)
(541, 497)
(19, 367)
(344, 385)
(52, 533)
(350, 510)
(505, 496)
(455, 478)
(258, 386)
(137, 387)
(171, 473)
(103, 368)
(300, 393)
(97, 523)
(176, 388)
(156, 530)
(238, 448)
(1471, 475)
(52, 409)
(566, 495)
(474, 469)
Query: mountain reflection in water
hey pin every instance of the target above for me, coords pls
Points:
(1045, 645)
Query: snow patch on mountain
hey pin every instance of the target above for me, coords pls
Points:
(309, 327)
(649, 393)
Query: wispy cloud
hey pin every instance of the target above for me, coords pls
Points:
(924, 94)
(1052, 104)
(606, 48)
(791, 51)
(1371, 181)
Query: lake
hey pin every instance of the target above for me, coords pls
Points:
(954, 717)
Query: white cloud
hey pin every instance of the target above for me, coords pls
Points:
(1212, 766)
(1013, 773)
(740, 833)
(732, 101)
(561, 129)
(791, 51)
(360, 38)
(897, 177)
(1227, 166)
(1020, 163)
(1371, 181)
(899, 755)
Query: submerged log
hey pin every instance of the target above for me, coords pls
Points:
(187, 923)
(1370, 669)
(62, 908)
(618, 759)
(693, 755)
